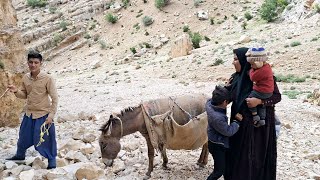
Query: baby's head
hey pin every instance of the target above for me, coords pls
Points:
(257, 57)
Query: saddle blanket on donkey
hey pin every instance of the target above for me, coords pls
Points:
(189, 134)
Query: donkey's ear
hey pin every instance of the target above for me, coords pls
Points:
(111, 116)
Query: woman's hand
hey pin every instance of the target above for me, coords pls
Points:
(253, 102)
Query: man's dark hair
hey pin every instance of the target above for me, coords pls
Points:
(219, 95)
(34, 54)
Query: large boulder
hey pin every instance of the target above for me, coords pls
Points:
(12, 58)
(181, 47)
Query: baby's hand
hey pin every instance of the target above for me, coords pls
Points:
(238, 117)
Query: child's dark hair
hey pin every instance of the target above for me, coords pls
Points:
(219, 95)
(34, 54)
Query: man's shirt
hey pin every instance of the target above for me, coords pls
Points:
(37, 92)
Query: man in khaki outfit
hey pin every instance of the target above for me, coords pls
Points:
(37, 87)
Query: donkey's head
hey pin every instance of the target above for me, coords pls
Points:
(109, 140)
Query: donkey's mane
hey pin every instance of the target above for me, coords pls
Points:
(122, 112)
(128, 109)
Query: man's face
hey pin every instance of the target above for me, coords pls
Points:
(34, 65)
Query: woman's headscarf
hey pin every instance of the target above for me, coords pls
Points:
(241, 84)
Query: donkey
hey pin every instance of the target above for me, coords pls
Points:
(132, 119)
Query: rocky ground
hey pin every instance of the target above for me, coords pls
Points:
(93, 82)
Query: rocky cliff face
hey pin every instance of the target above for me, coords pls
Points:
(11, 63)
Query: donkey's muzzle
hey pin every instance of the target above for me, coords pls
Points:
(107, 162)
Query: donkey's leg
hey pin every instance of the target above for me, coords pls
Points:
(164, 156)
(150, 156)
(203, 159)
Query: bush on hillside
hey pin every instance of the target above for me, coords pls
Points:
(270, 9)
(248, 16)
(147, 21)
(195, 39)
(37, 3)
(111, 18)
(1, 65)
(161, 3)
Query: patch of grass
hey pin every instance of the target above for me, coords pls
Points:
(295, 43)
(292, 94)
(206, 38)
(147, 21)
(318, 49)
(248, 16)
(186, 28)
(111, 18)
(290, 78)
(37, 3)
(136, 26)
(1, 65)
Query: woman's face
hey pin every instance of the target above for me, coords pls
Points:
(236, 63)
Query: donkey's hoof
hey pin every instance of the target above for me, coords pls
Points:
(201, 165)
(165, 168)
(146, 177)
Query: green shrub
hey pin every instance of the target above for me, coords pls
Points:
(268, 10)
(147, 45)
(218, 62)
(52, 9)
(206, 38)
(318, 49)
(248, 16)
(1, 65)
(161, 3)
(147, 21)
(290, 78)
(111, 18)
(195, 39)
(125, 3)
(317, 8)
(186, 28)
(133, 50)
(295, 43)
(87, 36)
(211, 21)
(292, 94)
(244, 25)
(197, 2)
(63, 25)
(103, 44)
(315, 39)
(37, 3)
(56, 39)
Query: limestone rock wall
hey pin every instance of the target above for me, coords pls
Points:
(12, 64)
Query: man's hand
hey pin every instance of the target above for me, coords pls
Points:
(49, 121)
(253, 102)
(12, 88)
(239, 117)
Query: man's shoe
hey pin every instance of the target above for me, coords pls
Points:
(51, 167)
(16, 159)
